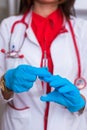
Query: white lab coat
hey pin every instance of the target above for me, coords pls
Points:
(65, 64)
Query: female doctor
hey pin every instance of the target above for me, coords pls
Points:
(43, 67)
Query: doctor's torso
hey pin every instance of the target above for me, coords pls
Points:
(64, 63)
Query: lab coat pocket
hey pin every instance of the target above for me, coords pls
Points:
(11, 63)
(16, 120)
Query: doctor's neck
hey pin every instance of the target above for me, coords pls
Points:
(44, 9)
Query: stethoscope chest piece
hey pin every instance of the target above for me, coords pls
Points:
(80, 83)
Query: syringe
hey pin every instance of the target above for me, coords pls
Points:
(45, 64)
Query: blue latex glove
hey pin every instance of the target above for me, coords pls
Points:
(21, 79)
(65, 93)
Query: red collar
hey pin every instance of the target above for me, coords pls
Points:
(47, 28)
(55, 19)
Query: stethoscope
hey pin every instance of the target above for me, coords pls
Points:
(80, 82)
(12, 53)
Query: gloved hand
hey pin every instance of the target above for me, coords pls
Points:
(65, 93)
(21, 79)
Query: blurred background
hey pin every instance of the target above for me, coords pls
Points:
(10, 7)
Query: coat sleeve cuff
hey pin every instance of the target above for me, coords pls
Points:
(4, 100)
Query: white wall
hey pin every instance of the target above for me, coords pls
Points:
(13, 6)
(2, 3)
(81, 5)
(81, 8)
(9, 7)
(3, 9)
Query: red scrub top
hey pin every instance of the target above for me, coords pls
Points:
(46, 30)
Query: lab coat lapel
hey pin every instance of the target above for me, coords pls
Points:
(31, 36)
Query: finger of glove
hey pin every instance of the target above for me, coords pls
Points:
(78, 106)
(46, 78)
(62, 99)
(48, 97)
(54, 97)
(67, 88)
(52, 78)
(34, 70)
(42, 72)
(24, 76)
(57, 84)
(26, 84)
(70, 102)
(73, 98)
(55, 81)
(62, 84)
(18, 89)
(25, 69)
(9, 74)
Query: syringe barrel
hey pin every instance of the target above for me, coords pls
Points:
(45, 64)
